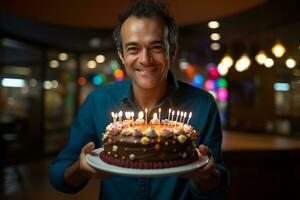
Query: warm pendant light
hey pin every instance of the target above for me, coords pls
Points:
(222, 69)
(269, 62)
(227, 61)
(278, 50)
(261, 57)
(243, 63)
(290, 63)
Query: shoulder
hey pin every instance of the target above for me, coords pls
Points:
(193, 93)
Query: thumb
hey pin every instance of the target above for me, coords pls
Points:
(204, 150)
(89, 147)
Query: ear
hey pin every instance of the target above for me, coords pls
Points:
(120, 54)
(173, 52)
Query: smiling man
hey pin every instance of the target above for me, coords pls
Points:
(145, 53)
(146, 40)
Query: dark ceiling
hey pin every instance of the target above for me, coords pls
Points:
(245, 26)
(103, 13)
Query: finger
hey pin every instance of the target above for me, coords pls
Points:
(204, 150)
(89, 147)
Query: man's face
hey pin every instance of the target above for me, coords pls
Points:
(145, 51)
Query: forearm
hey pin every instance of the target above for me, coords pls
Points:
(73, 177)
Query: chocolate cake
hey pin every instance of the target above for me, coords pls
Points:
(158, 144)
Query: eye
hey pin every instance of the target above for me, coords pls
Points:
(158, 48)
(132, 50)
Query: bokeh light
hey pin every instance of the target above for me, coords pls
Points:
(222, 94)
(198, 80)
(191, 71)
(98, 79)
(81, 80)
(222, 83)
(209, 85)
(119, 75)
(213, 72)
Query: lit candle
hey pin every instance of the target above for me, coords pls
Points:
(184, 116)
(141, 115)
(146, 111)
(159, 114)
(169, 114)
(177, 115)
(113, 116)
(190, 116)
(154, 116)
(173, 113)
(120, 114)
(181, 116)
(127, 115)
(132, 116)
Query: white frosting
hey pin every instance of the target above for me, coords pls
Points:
(150, 132)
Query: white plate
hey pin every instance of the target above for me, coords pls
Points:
(94, 160)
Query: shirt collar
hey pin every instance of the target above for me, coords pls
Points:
(127, 93)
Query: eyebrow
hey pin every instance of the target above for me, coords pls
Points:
(136, 43)
(130, 44)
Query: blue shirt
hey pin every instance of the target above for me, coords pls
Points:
(95, 114)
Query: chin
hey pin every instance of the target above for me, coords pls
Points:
(148, 84)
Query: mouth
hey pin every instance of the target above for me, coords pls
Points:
(146, 70)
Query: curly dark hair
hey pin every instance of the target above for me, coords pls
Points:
(147, 8)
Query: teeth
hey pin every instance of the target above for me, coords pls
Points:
(147, 70)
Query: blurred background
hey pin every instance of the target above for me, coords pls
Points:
(245, 53)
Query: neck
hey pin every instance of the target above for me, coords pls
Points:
(148, 98)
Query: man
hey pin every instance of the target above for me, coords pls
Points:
(146, 43)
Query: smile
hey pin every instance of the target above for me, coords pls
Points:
(147, 69)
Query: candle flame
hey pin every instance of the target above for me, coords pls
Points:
(120, 114)
(113, 114)
(184, 115)
(146, 116)
(178, 112)
(155, 116)
(141, 115)
(127, 115)
(190, 116)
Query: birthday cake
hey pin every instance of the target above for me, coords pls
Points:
(156, 144)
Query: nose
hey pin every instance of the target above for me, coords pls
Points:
(145, 57)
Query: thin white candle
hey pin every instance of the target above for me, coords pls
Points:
(146, 114)
(177, 115)
(132, 116)
(181, 116)
(113, 116)
(169, 115)
(190, 116)
(159, 114)
(120, 116)
(173, 113)
(184, 116)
